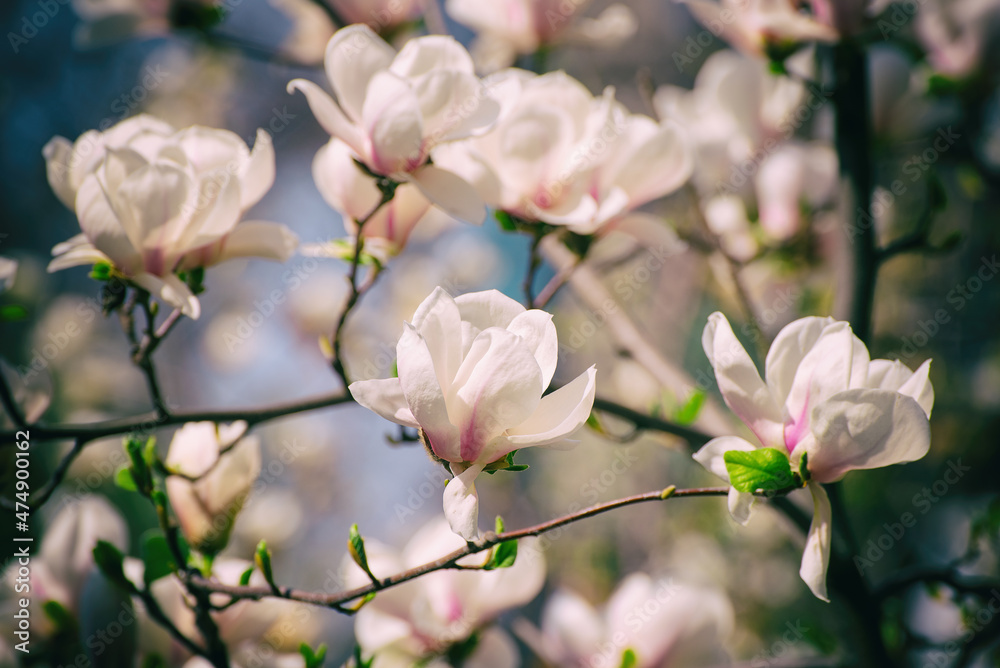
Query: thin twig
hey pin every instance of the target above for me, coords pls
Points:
(356, 291)
(449, 561)
(10, 405)
(534, 263)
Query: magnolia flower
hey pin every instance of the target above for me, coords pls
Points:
(663, 623)
(61, 568)
(508, 28)
(420, 620)
(394, 109)
(354, 195)
(736, 110)
(825, 399)
(761, 27)
(152, 201)
(214, 467)
(560, 156)
(959, 36)
(472, 370)
(380, 15)
(790, 176)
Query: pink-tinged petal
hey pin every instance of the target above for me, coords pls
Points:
(790, 346)
(711, 454)
(538, 331)
(498, 386)
(894, 375)
(385, 397)
(451, 193)
(257, 175)
(194, 449)
(837, 361)
(658, 161)
(454, 105)
(152, 203)
(865, 429)
(816, 556)
(439, 324)
(57, 162)
(559, 415)
(329, 115)
(214, 212)
(495, 649)
(171, 290)
(101, 225)
(424, 396)
(391, 118)
(354, 56)
(740, 383)
(461, 502)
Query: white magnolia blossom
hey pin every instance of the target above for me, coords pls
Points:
(381, 15)
(472, 370)
(736, 110)
(665, 624)
(959, 35)
(354, 195)
(215, 467)
(823, 397)
(508, 28)
(761, 27)
(63, 565)
(561, 156)
(152, 200)
(393, 109)
(419, 620)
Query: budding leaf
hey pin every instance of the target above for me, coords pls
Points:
(688, 413)
(245, 577)
(629, 659)
(61, 618)
(262, 557)
(804, 474)
(765, 468)
(124, 479)
(157, 557)
(356, 546)
(313, 659)
(109, 560)
(506, 222)
(504, 556)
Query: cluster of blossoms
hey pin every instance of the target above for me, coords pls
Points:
(416, 129)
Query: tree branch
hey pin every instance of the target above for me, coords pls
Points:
(449, 561)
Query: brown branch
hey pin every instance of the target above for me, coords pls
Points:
(449, 561)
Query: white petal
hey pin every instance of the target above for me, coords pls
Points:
(461, 503)
(385, 397)
(865, 429)
(816, 556)
(894, 375)
(440, 326)
(329, 115)
(74, 256)
(342, 183)
(194, 449)
(354, 55)
(258, 238)
(538, 331)
(57, 161)
(171, 290)
(451, 193)
(786, 353)
(391, 117)
(424, 396)
(741, 505)
(434, 52)
(488, 308)
(498, 386)
(711, 454)
(495, 649)
(257, 176)
(559, 414)
(740, 383)
(102, 227)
